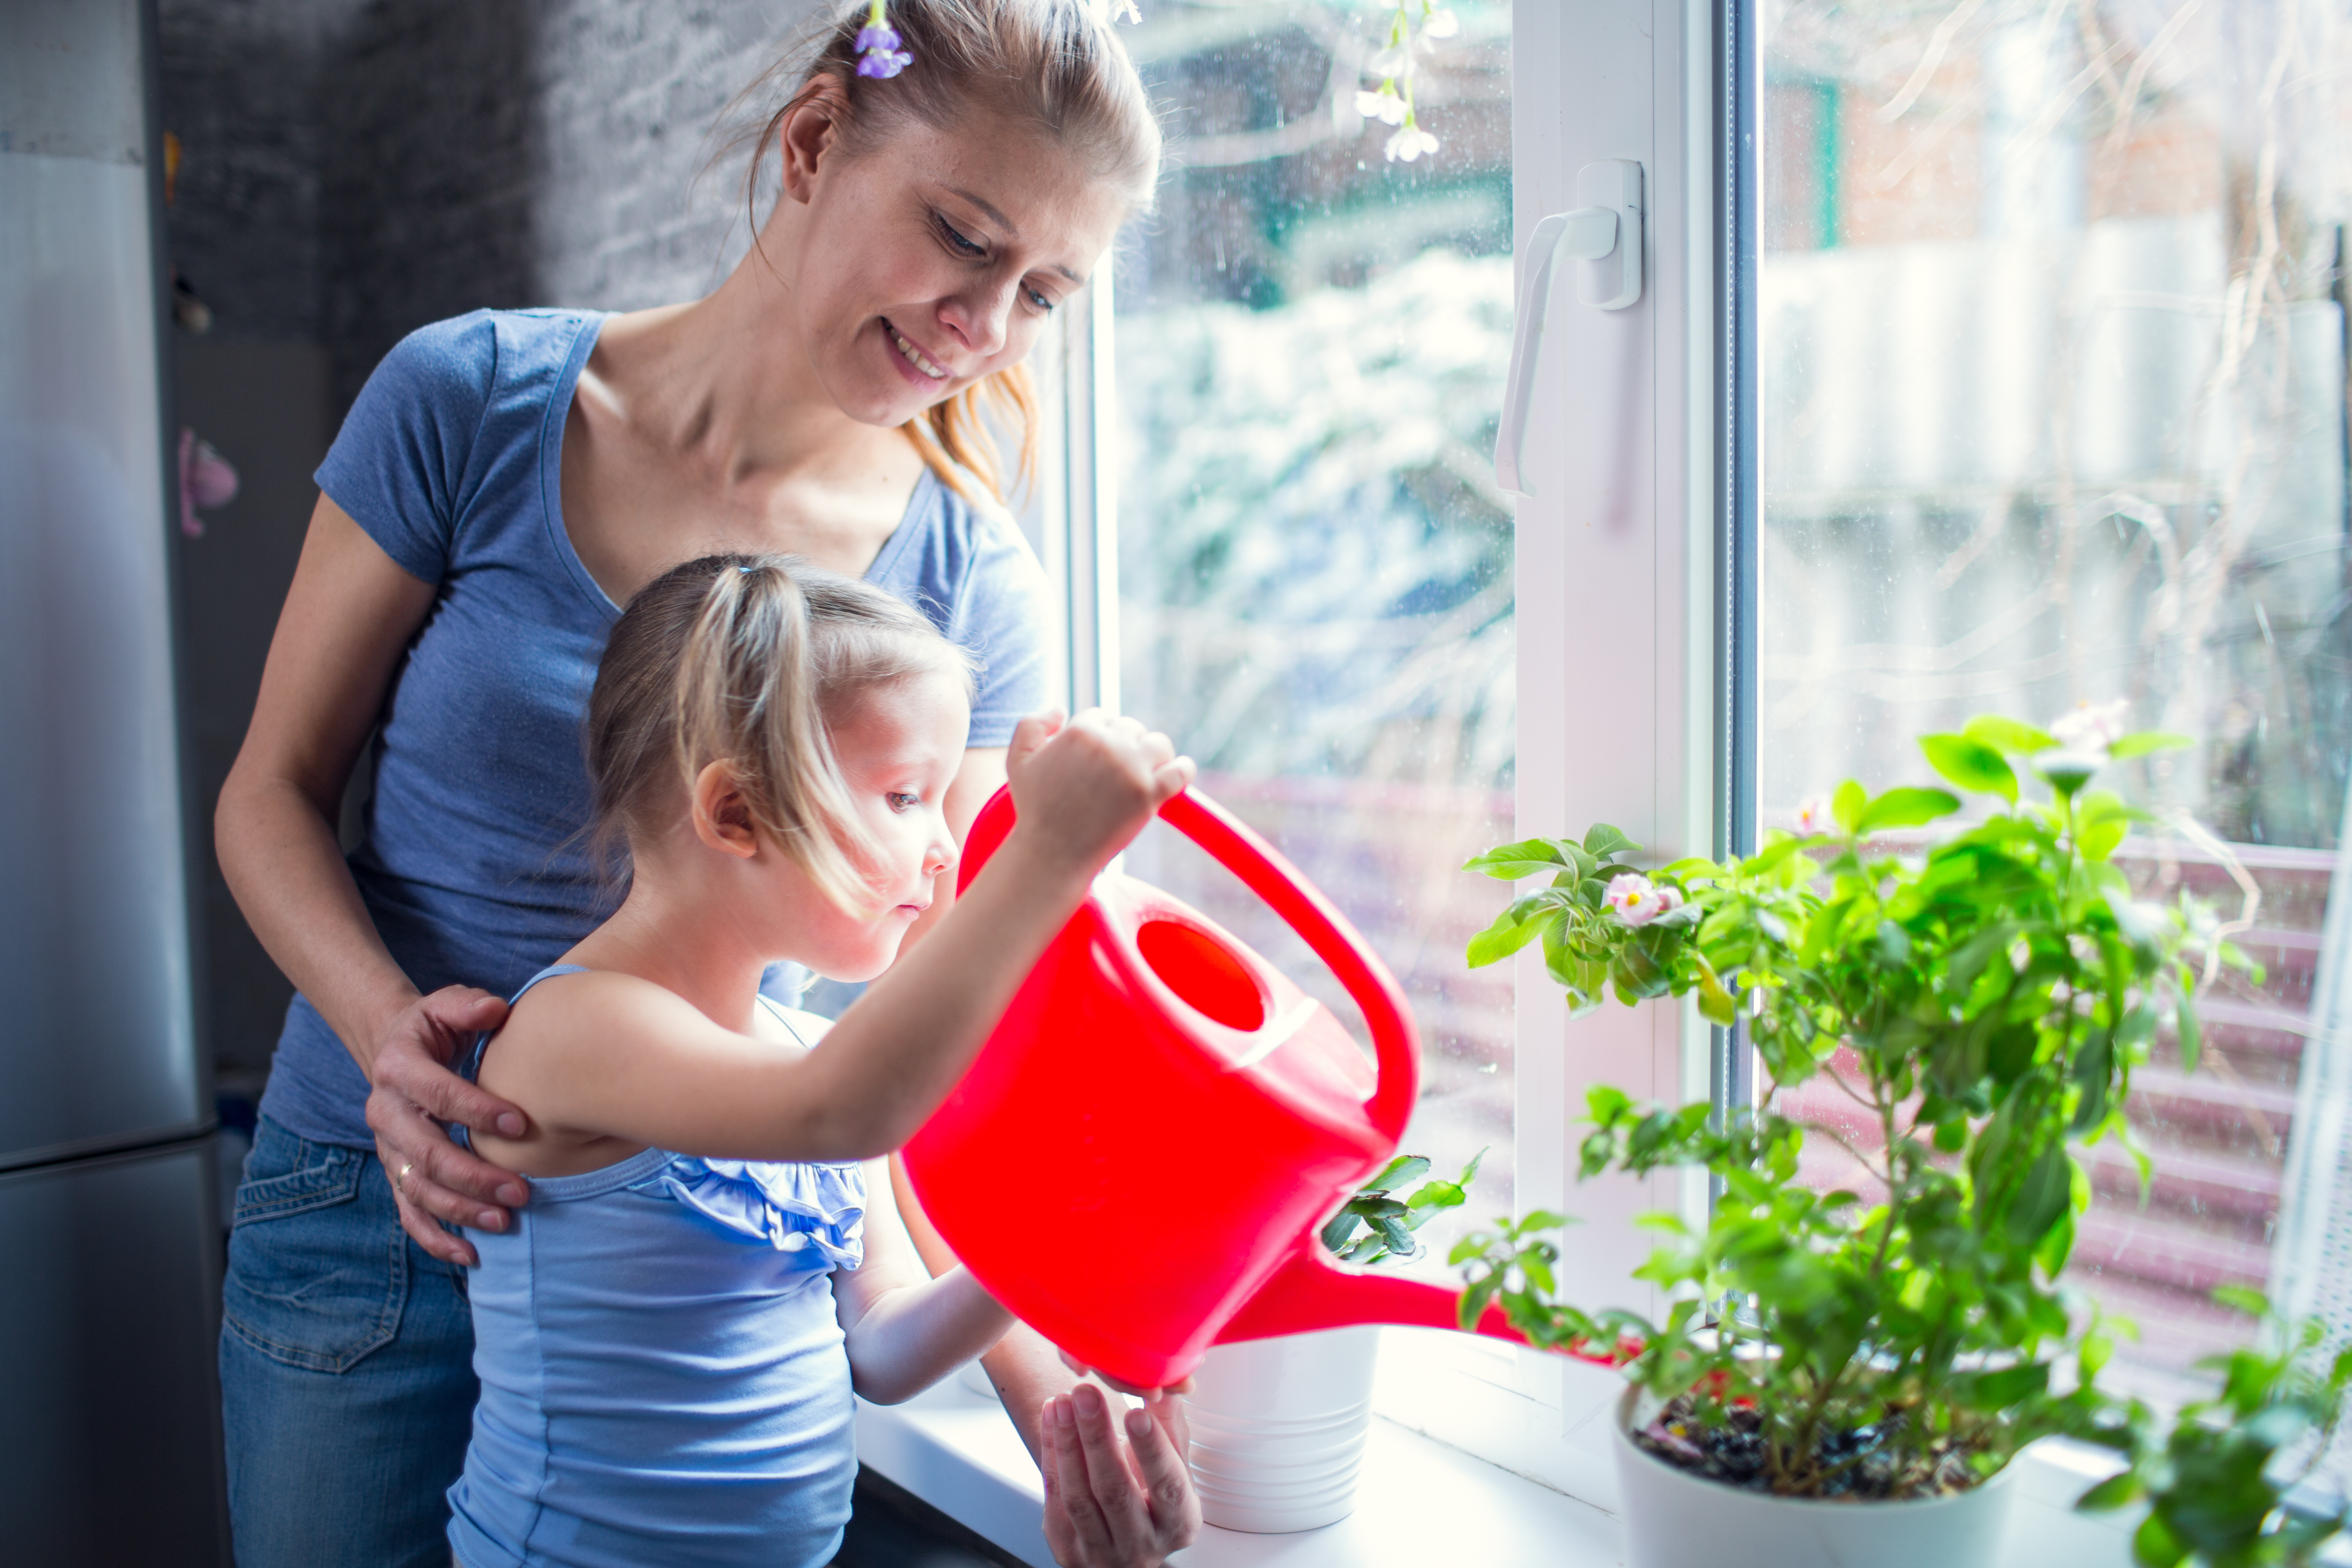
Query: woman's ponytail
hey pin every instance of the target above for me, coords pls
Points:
(745, 660)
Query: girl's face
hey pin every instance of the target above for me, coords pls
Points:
(933, 259)
(898, 751)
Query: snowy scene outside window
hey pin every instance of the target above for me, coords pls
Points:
(1315, 567)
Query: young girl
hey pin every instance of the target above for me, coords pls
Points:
(668, 1336)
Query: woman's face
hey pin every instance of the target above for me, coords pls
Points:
(933, 259)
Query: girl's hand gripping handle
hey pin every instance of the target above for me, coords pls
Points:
(1086, 786)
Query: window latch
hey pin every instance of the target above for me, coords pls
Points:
(1605, 233)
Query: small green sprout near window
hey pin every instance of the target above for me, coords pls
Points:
(2219, 1482)
(1387, 1221)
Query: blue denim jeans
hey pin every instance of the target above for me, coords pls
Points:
(346, 1362)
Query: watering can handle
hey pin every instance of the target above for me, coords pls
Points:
(1262, 868)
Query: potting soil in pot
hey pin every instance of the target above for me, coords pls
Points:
(1860, 1462)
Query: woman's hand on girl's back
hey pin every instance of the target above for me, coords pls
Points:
(1091, 782)
(415, 1092)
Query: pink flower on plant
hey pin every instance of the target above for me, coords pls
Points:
(1814, 815)
(1638, 901)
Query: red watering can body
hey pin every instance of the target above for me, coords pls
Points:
(1138, 1160)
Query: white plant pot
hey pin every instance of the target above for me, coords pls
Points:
(1676, 1519)
(1279, 1429)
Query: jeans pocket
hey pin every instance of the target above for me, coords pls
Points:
(317, 1272)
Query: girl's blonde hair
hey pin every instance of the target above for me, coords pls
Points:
(1055, 64)
(749, 659)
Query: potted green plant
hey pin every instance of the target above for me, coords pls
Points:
(1986, 997)
(1278, 1426)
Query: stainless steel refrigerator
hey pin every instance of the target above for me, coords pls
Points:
(108, 1235)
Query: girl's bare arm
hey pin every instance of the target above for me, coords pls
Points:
(642, 1064)
(904, 1330)
(348, 617)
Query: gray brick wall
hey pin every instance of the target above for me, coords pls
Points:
(356, 168)
(631, 94)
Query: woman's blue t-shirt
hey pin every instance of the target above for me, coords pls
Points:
(475, 865)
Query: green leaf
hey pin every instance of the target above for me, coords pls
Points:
(2155, 1546)
(2093, 1069)
(2110, 1494)
(2007, 735)
(1605, 841)
(1907, 808)
(1336, 1233)
(1397, 1172)
(1846, 805)
(2146, 740)
(2254, 1303)
(1999, 1389)
(1525, 920)
(1509, 862)
(2100, 839)
(2042, 1196)
(2192, 1033)
(1437, 1195)
(1971, 764)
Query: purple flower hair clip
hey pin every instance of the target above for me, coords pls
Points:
(877, 46)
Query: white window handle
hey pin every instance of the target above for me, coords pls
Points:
(1606, 234)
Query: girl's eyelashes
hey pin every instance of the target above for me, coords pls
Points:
(901, 801)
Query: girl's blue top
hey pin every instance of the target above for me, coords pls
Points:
(475, 865)
(663, 1377)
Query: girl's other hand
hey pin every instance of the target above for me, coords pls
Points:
(1092, 781)
(1104, 1509)
(415, 1093)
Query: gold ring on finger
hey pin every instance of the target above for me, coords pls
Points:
(400, 1180)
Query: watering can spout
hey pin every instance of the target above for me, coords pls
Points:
(1309, 1293)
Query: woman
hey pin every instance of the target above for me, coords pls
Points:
(504, 482)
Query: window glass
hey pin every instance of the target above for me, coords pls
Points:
(1315, 568)
(2052, 349)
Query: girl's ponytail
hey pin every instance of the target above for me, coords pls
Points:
(746, 660)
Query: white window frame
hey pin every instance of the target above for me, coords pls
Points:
(1618, 709)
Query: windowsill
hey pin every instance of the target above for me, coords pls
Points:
(956, 1450)
(1420, 1500)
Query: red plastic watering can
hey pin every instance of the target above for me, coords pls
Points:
(1138, 1160)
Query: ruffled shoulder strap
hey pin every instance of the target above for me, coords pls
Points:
(815, 1212)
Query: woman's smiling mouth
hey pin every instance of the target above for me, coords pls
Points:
(910, 353)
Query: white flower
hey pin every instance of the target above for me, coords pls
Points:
(1383, 105)
(1814, 815)
(1409, 143)
(1638, 901)
(1440, 24)
(2092, 727)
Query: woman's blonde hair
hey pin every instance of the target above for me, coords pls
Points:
(749, 659)
(1055, 64)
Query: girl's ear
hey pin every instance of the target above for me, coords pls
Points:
(722, 818)
(809, 137)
